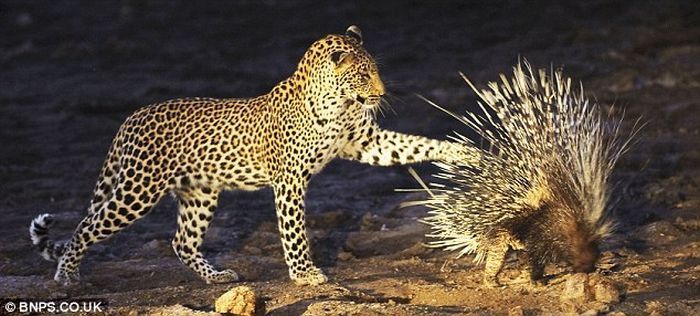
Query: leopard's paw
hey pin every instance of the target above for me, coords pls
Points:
(225, 276)
(312, 276)
(461, 154)
(66, 278)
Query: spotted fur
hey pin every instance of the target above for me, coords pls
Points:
(198, 147)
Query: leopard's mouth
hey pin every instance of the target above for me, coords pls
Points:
(369, 102)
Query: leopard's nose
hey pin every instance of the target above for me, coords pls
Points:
(378, 85)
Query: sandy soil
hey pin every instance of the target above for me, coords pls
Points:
(71, 73)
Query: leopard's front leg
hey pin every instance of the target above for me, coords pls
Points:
(379, 147)
(289, 191)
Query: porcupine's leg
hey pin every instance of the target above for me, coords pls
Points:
(535, 269)
(494, 261)
(375, 146)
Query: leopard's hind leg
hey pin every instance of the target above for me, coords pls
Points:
(105, 182)
(39, 228)
(197, 207)
(133, 196)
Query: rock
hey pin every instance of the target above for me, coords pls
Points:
(516, 311)
(667, 80)
(654, 308)
(152, 245)
(255, 251)
(173, 310)
(590, 312)
(369, 243)
(369, 222)
(345, 256)
(239, 300)
(345, 308)
(328, 220)
(606, 292)
(687, 224)
(576, 289)
(609, 261)
(638, 269)
(623, 81)
(602, 308)
(662, 229)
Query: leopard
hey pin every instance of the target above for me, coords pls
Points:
(195, 148)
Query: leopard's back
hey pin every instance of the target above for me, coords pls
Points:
(218, 142)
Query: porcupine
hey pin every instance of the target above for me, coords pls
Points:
(542, 183)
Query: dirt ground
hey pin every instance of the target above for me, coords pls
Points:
(73, 71)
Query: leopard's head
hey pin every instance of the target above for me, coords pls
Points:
(348, 67)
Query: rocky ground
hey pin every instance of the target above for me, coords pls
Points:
(73, 71)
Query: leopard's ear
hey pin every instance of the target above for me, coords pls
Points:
(342, 60)
(354, 32)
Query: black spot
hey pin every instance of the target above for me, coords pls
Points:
(123, 211)
(128, 199)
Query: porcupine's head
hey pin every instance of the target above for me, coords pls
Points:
(543, 176)
(558, 229)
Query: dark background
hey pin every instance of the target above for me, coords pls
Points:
(72, 71)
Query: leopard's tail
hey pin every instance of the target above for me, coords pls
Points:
(39, 232)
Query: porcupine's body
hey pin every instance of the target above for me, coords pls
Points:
(541, 185)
